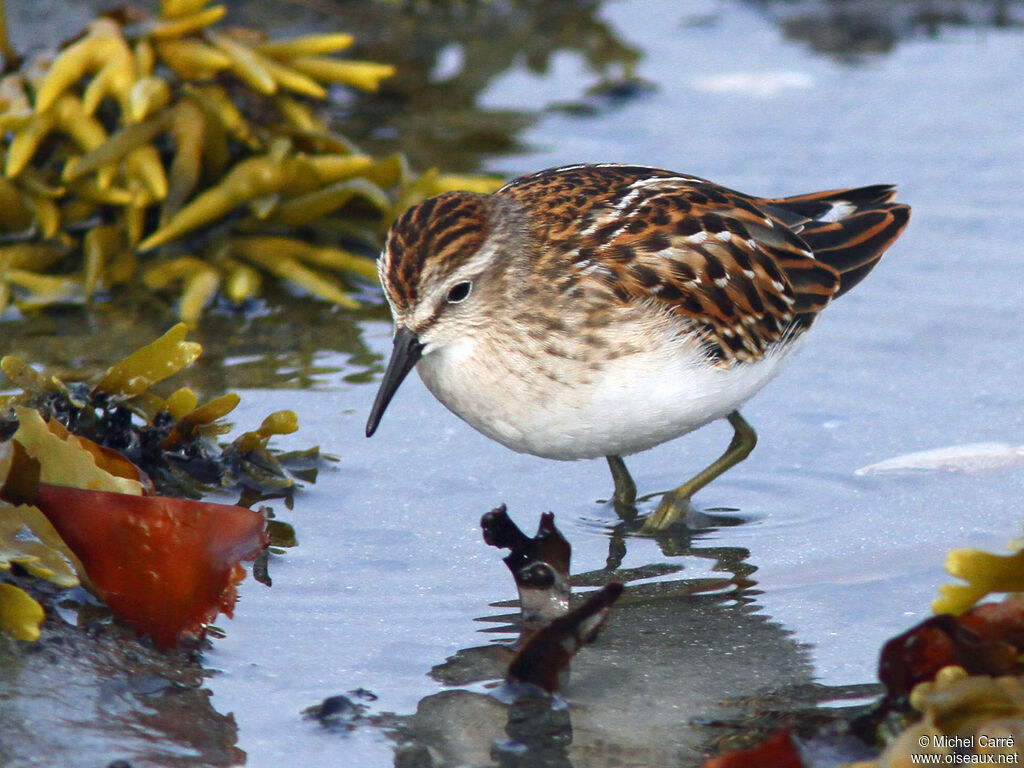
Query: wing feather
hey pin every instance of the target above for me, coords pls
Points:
(744, 273)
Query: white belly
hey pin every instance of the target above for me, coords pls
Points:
(631, 404)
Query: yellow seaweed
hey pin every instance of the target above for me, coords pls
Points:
(62, 461)
(365, 75)
(47, 451)
(293, 270)
(161, 274)
(213, 410)
(30, 256)
(181, 402)
(100, 246)
(242, 282)
(186, 24)
(25, 142)
(15, 213)
(267, 248)
(984, 573)
(154, 362)
(291, 79)
(102, 43)
(114, 79)
(202, 419)
(298, 114)
(305, 209)
(251, 178)
(147, 95)
(277, 423)
(20, 615)
(311, 45)
(25, 376)
(145, 58)
(246, 64)
(200, 288)
(192, 59)
(44, 289)
(88, 130)
(28, 539)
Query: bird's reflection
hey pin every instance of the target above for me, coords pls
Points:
(679, 540)
(680, 665)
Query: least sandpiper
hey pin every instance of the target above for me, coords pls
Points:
(599, 310)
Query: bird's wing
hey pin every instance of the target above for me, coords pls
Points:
(729, 270)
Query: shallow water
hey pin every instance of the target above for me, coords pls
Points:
(391, 577)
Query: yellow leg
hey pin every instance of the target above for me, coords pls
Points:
(675, 503)
(625, 488)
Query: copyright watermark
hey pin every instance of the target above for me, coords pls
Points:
(978, 741)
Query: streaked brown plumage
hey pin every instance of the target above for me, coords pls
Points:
(568, 280)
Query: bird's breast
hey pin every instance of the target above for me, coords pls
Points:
(568, 404)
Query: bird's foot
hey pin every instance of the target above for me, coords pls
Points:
(674, 506)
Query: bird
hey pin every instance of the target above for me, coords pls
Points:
(599, 310)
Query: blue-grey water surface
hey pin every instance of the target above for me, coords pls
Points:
(391, 577)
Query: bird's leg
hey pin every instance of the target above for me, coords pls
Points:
(675, 503)
(625, 488)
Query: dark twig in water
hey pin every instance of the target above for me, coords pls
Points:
(552, 634)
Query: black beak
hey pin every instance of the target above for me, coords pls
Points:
(408, 350)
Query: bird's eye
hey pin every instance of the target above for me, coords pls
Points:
(459, 292)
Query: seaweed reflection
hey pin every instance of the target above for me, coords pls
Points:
(79, 697)
(852, 29)
(287, 343)
(681, 664)
(447, 55)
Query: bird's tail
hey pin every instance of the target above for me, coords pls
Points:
(848, 229)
